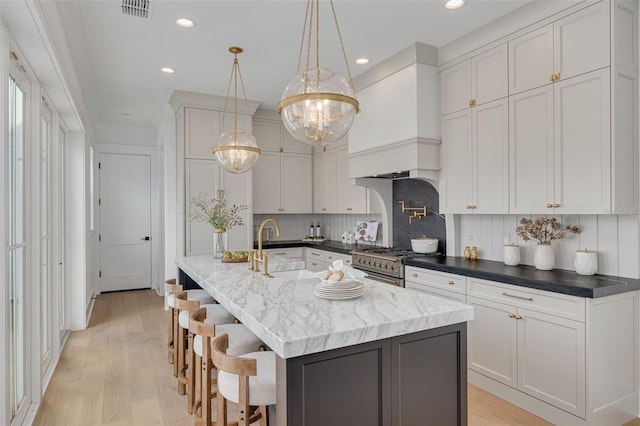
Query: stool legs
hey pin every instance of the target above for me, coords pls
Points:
(174, 333)
(170, 347)
(182, 365)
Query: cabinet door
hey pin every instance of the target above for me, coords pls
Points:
(436, 291)
(351, 198)
(493, 341)
(582, 144)
(531, 60)
(455, 87)
(201, 177)
(236, 191)
(551, 360)
(266, 183)
(490, 157)
(456, 163)
(489, 75)
(296, 183)
(325, 182)
(582, 41)
(314, 265)
(267, 135)
(201, 132)
(531, 151)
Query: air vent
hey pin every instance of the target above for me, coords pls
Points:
(137, 8)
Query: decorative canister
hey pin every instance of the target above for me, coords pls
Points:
(511, 254)
(586, 262)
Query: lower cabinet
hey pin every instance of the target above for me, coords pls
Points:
(409, 380)
(290, 252)
(441, 284)
(319, 260)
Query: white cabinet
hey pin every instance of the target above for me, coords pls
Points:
(531, 340)
(560, 147)
(351, 198)
(573, 45)
(325, 181)
(475, 160)
(319, 260)
(202, 128)
(290, 252)
(476, 81)
(441, 284)
(282, 178)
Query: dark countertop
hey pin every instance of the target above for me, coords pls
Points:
(557, 280)
(328, 245)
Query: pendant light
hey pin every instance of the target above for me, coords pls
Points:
(318, 106)
(236, 149)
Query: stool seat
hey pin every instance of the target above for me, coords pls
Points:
(262, 387)
(199, 295)
(216, 314)
(241, 339)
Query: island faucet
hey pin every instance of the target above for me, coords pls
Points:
(259, 256)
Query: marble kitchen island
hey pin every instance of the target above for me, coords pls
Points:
(391, 357)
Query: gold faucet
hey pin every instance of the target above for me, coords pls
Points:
(259, 256)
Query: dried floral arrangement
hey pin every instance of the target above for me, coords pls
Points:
(543, 229)
(215, 212)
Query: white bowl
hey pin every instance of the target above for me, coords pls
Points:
(424, 245)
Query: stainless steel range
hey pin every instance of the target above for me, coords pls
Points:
(384, 264)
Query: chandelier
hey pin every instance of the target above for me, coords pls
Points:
(236, 149)
(318, 106)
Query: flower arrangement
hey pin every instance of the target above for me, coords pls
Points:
(543, 229)
(215, 212)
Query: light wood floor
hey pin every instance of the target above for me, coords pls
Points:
(116, 373)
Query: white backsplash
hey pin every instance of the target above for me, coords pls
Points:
(296, 226)
(614, 237)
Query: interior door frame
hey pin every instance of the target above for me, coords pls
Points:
(157, 211)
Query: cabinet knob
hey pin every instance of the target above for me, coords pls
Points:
(415, 275)
(451, 282)
(472, 102)
(512, 315)
(518, 317)
(555, 76)
(281, 149)
(549, 205)
(556, 205)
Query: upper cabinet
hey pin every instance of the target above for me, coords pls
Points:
(476, 81)
(282, 178)
(202, 128)
(572, 126)
(573, 45)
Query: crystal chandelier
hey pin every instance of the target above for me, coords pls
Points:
(236, 149)
(318, 106)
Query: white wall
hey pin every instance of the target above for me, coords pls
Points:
(614, 237)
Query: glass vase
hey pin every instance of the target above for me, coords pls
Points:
(220, 242)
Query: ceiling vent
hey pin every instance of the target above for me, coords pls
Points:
(137, 8)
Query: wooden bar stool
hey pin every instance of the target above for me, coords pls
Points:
(241, 339)
(172, 289)
(216, 314)
(249, 380)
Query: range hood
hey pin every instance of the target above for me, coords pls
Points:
(397, 133)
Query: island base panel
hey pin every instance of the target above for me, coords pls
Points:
(417, 379)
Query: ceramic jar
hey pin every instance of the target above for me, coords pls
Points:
(511, 254)
(543, 258)
(586, 262)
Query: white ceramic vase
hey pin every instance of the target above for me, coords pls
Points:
(543, 258)
(220, 242)
(511, 254)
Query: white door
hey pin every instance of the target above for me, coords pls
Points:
(125, 222)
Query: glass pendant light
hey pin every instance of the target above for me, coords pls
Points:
(318, 106)
(236, 149)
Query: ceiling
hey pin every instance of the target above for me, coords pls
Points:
(118, 57)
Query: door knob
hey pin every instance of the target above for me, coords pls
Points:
(145, 238)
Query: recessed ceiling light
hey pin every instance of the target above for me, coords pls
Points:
(185, 23)
(454, 4)
(362, 61)
(167, 70)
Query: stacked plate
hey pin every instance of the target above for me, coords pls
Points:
(340, 290)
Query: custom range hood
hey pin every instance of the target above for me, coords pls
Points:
(397, 133)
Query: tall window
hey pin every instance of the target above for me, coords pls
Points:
(46, 302)
(17, 246)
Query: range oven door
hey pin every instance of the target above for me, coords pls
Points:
(399, 282)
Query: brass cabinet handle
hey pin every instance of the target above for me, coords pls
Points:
(282, 253)
(314, 263)
(472, 102)
(471, 206)
(555, 76)
(324, 210)
(315, 254)
(349, 209)
(281, 149)
(330, 257)
(451, 282)
(415, 275)
(528, 299)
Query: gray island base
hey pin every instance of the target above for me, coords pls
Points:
(392, 357)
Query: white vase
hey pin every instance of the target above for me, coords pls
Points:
(511, 254)
(543, 257)
(220, 242)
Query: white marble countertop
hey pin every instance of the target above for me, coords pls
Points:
(285, 314)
